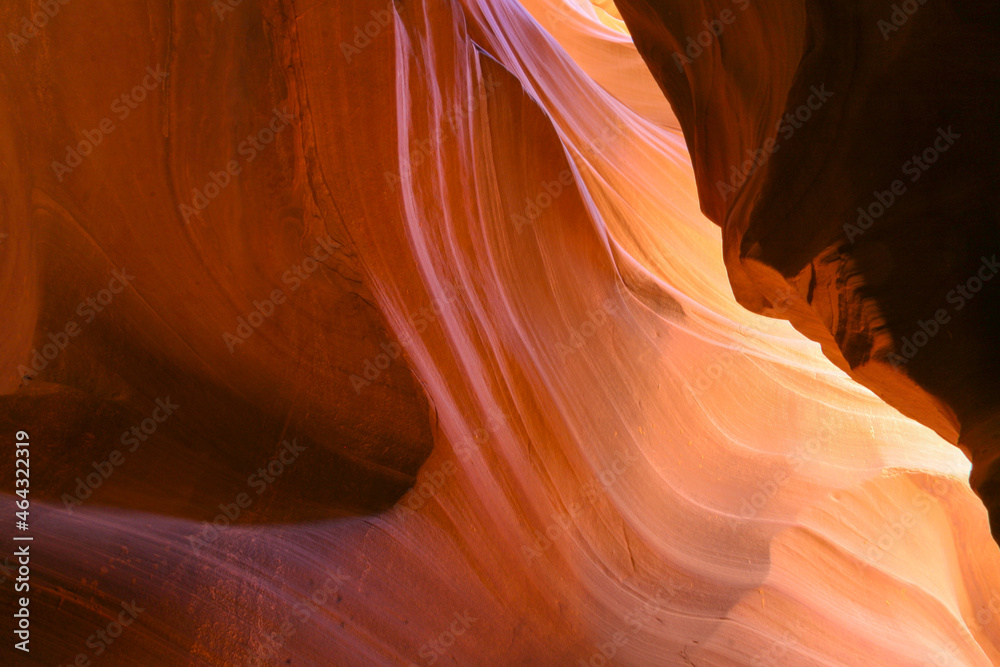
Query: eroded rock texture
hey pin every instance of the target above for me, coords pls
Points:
(848, 152)
(628, 466)
(187, 258)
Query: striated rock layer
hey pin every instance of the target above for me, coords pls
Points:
(483, 225)
(848, 150)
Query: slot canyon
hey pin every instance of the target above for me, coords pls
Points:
(500, 332)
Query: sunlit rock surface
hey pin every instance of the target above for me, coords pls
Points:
(848, 150)
(628, 466)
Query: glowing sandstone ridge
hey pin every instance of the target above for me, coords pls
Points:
(443, 368)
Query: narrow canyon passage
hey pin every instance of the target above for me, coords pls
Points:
(449, 366)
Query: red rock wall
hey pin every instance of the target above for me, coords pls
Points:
(515, 298)
(845, 149)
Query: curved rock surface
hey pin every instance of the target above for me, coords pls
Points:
(848, 149)
(628, 466)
